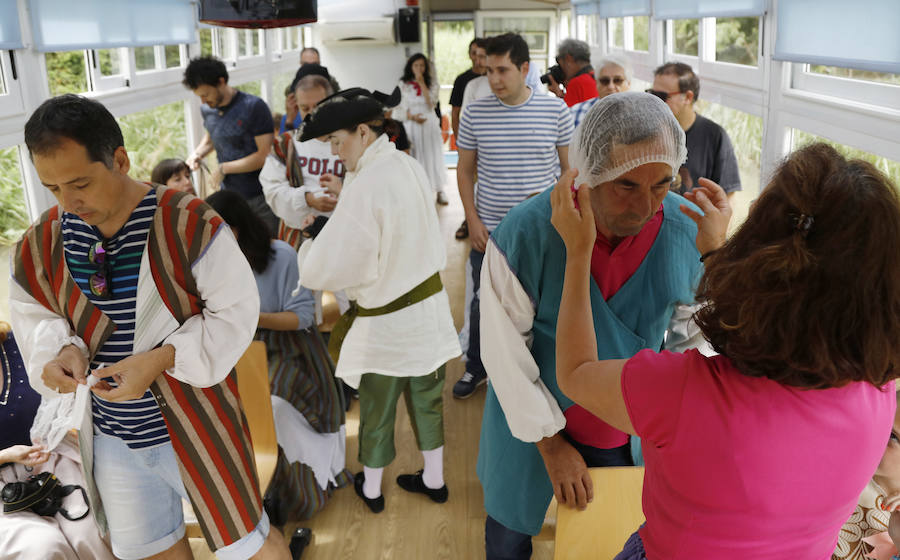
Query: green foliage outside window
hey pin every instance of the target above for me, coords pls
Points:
(154, 135)
(889, 167)
(66, 72)
(206, 45)
(686, 34)
(641, 27)
(13, 214)
(451, 49)
(737, 40)
(865, 75)
(144, 58)
(253, 88)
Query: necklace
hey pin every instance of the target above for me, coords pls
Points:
(8, 376)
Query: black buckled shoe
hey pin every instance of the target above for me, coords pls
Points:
(299, 541)
(414, 483)
(375, 504)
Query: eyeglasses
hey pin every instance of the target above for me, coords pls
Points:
(605, 80)
(662, 94)
(100, 281)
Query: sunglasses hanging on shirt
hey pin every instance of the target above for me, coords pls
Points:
(100, 281)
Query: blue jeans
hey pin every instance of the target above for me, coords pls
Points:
(503, 543)
(141, 490)
(633, 550)
(473, 354)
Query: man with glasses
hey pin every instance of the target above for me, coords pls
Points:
(614, 76)
(710, 153)
(144, 291)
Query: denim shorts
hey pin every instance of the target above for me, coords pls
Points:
(142, 494)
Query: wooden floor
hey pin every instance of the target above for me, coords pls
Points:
(411, 526)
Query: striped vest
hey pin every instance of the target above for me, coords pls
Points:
(286, 153)
(206, 425)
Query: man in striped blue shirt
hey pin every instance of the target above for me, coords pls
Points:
(519, 140)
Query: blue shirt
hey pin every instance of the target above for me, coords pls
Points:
(233, 129)
(138, 422)
(517, 149)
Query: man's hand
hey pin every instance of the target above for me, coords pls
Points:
(321, 203)
(555, 87)
(134, 374)
(568, 472)
(332, 183)
(478, 234)
(420, 118)
(712, 226)
(63, 373)
(27, 455)
(574, 224)
(193, 161)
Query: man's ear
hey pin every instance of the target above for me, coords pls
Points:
(121, 161)
(525, 66)
(689, 96)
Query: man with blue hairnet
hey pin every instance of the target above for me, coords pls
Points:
(535, 442)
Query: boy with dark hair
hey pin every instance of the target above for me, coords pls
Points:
(239, 126)
(146, 287)
(518, 140)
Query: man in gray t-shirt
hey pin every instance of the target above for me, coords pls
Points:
(710, 153)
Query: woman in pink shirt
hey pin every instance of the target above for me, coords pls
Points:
(762, 451)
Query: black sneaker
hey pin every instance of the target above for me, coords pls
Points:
(375, 504)
(299, 541)
(414, 483)
(467, 384)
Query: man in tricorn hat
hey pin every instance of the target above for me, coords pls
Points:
(383, 246)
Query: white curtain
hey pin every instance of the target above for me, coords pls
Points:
(65, 25)
(861, 35)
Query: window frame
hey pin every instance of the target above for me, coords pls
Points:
(11, 102)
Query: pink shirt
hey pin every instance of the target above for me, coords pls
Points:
(611, 267)
(743, 467)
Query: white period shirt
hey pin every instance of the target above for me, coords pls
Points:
(383, 240)
(287, 202)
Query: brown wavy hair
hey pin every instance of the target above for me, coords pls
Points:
(811, 302)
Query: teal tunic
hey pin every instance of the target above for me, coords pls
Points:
(517, 489)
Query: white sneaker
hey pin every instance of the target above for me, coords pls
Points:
(442, 198)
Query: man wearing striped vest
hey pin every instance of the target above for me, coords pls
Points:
(144, 292)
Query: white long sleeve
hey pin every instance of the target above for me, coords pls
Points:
(507, 316)
(40, 335)
(287, 202)
(209, 344)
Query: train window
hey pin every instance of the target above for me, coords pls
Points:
(685, 36)
(144, 59)
(891, 168)
(737, 40)
(66, 72)
(173, 56)
(641, 33)
(206, 41)
(617, 32)
(13, 212)
(864, 75)
(154, 135)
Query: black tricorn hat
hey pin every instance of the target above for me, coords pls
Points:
(346, 109)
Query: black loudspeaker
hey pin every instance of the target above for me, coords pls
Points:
(258, 13)
(408, 25)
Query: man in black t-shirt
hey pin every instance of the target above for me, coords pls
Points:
(709, 150)
(238, 126)
(478, 56)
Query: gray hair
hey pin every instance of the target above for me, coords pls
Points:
(617, 60)
(313, 81)
(579, 50)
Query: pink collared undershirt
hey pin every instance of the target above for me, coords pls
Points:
(611, 267)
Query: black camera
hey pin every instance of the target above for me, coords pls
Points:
(557, 74)
(41, 493)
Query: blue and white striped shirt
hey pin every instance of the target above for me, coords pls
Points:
(138, 422)
(516, 149)
(579, 110)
